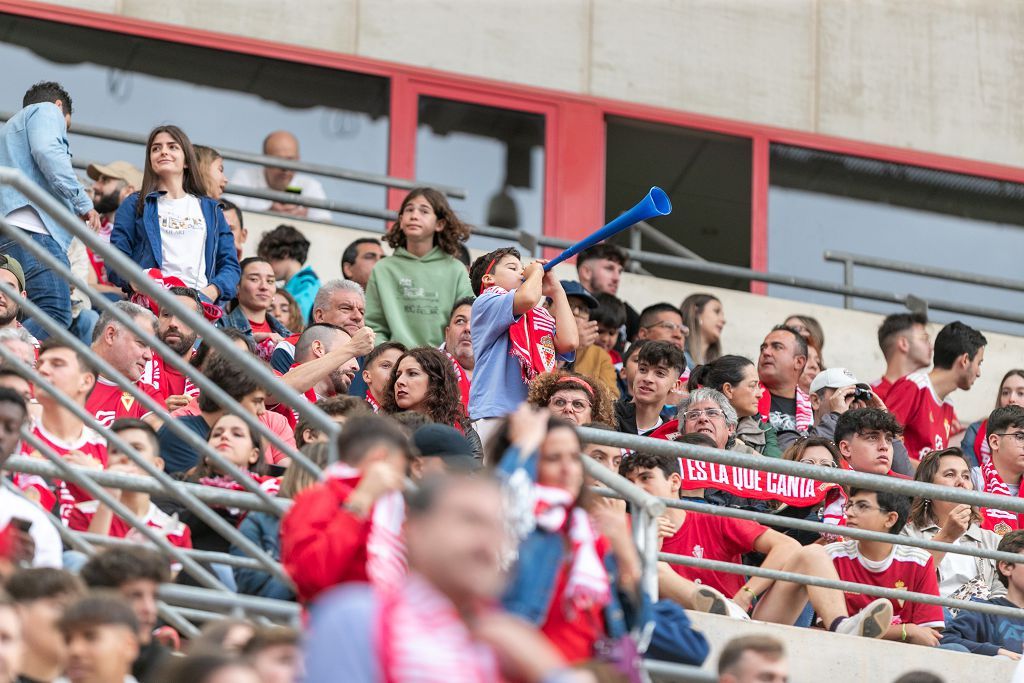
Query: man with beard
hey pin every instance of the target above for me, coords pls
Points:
(173, 387)
(11, 274)
(111, 184)
(458, 344)
(325, 363)
(129, 354)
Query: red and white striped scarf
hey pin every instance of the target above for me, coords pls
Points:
(372, 401)
(804, 417)
(461, 376)
(588, 583)
(423, 639)
(999, 521)
(531, 339)
(385, 548)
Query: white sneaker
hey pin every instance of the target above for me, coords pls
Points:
(711, 601)
(870, 622)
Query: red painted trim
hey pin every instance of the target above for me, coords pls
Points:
(401, 136)
(760, 166)
(579, 154)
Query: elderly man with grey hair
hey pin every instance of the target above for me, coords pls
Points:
(708, 411)
(341, 303)
(18, 341)
(128, 353)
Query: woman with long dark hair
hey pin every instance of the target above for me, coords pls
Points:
(1011, 393)
(736, 377)
(703, 314)
(171, 225)
(423, 381)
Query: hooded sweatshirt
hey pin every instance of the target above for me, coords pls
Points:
(303, 286)
(984, 634)
(409, 299)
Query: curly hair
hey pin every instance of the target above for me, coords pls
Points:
(444, 400)
(283, 242)
(547, 384)
(449, 239)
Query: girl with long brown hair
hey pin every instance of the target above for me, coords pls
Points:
(171, 225)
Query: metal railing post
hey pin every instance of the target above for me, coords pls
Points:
(204, 512)
(118, 261)
(848, 281)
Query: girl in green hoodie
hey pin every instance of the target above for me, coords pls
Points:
(411, 293)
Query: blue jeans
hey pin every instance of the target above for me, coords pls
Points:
(84, 324)
(45, 288)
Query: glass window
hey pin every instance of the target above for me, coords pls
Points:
(221, 99)
(821, 201)
(496, 154)
(707, 177)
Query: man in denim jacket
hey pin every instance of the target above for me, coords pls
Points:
(35, 142)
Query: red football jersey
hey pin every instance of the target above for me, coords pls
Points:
(881, 387)
(713, 538)
(286, 410)
(108, 402)
(927, 421)
(90, 443)
(166, 380)
(906, 568)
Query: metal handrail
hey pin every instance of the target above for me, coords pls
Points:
(311, 202)
(274, 162)
(199, 555)
(213, 336)
(677, 673)
(191, 596)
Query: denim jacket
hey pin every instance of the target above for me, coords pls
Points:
(532, 580)
(236, 319)
(139, 238)
(35, 141)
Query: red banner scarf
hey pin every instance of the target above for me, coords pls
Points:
(531, 339)
(385, 547)
(999, 521)
(422, 638)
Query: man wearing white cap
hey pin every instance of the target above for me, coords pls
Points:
(111, 184)
(837, 390)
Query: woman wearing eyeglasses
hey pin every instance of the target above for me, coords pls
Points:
(572, 396)
(960, 576)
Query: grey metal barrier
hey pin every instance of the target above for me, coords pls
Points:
(849, 260)
(678, 673)
(170, 487)
(273, 162)
(171, 615)
(221, 601)
(197, 555)
(213, 336)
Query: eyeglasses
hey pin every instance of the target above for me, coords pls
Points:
(876, 437)
(675, 327)
(819, 463)
(711, 414)
(576, 405)
(860, 506)
(1017, 436)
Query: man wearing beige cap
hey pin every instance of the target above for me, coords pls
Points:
(10, 274)
(111, 184)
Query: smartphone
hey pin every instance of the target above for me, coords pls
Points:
(293, 190)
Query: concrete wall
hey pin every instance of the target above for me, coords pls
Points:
(850, 335)
(816, 655)
(936, 75)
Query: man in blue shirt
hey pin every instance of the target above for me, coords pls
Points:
(35, 142)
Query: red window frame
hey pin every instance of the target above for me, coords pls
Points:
(575, 128)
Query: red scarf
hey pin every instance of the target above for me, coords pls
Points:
(385, 547)
(531, 339)
(804, 413)
(999, 521)
(423, 639)
(982, 451)
(462, 377)
(588, 581)
(372, 401)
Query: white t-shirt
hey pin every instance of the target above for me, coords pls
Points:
(49, 550)
(253, 177)
(28, 220)
(183, 236)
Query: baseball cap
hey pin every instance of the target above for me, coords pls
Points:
(573, 288)
(11, 264)
(835, 378)
(122, 170)
(441, 441)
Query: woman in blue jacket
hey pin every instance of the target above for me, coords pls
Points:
(171, 225)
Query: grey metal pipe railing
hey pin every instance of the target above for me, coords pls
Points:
(110, 373)
(645, 229)
(311, 202)
(191, 596)
(769, 519)
(198, 555)
(171, 615)
(99, 493)
(274, 162)
(877, 482)
(895, 266)
(203, 511)
(167, 354)
(839, 584)
(213, 336)
(210, 495)
(677, 673)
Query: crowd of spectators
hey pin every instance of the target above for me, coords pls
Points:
(499, 561)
